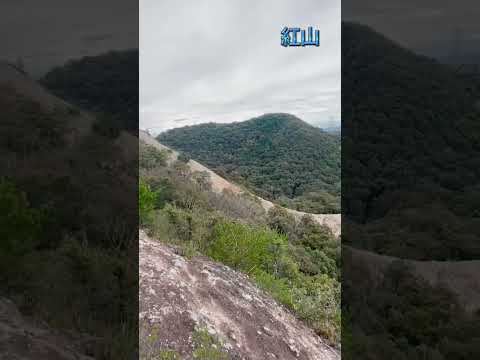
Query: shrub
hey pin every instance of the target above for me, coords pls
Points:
(280, 289)
(20, 225)
(245, 248)
(150, 157)
(317, 301)
(184, 158)
(146, 202)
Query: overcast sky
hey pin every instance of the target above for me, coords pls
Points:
(427, 26)
(221, 61)
(47, 33)
(215, 60)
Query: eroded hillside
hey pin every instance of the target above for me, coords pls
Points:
(219, 185)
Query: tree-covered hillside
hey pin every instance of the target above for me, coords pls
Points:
(277, 156)
(410, 189)
(105, 84)
(410, 151)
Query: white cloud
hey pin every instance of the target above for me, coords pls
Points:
(222, 61)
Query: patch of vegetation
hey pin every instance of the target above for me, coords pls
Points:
(404, 317)
(183, 158)
(207, 346)
(149, 157)
(20, 225)
(245, 248)
(167, 355)
(146, 202)
(277, 156)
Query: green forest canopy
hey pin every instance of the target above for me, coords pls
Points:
(277, 156)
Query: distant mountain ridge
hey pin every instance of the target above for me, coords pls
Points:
(277, 156)
(106, 84)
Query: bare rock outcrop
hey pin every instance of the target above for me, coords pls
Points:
(179, 295)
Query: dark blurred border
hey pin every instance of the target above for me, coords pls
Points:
(69, 180)
(410, 180)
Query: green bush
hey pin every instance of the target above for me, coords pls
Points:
(317, 301)
(164, 189)
(150, 157)
(20, 225)
(280, 289)
(245, 248)
(146, 202)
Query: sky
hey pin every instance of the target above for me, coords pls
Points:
(428, 27)
(215, 60)
(221, 61)
(48, 33)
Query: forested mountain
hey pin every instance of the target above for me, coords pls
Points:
(412, 154)
(277, 156)
(106, 84)
(410, 189)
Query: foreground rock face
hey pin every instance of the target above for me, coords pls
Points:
(21, 338)
(179, 295)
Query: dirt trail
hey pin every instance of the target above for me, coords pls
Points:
(219, 184)
(177, 295)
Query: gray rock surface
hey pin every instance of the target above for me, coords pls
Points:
(178, 295)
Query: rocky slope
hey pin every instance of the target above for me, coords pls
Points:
(21, 338)
(178, 296)
(219, 184)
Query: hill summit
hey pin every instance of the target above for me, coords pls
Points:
(277, 156)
